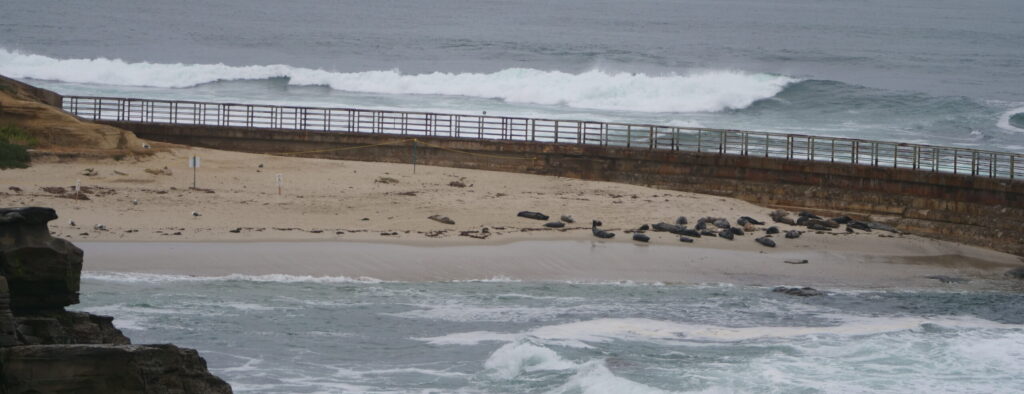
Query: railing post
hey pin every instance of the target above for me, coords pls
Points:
(629, 135)
(556, 131)
(1013, 158)
(653, 140)
(700, 135)
(810, 141)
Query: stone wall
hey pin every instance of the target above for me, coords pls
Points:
(974, 210)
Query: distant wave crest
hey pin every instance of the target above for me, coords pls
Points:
(705, 91)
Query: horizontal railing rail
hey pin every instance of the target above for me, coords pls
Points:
(965, 161)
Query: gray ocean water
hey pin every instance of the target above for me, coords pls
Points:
(287, 334)
(927, 71)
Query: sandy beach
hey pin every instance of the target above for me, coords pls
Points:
(377, 215)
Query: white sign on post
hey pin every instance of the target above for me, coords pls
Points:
(193, 162)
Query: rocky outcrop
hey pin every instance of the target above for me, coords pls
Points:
(46, 349)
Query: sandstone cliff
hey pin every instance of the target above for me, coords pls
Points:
(45, 349)
(38, 111)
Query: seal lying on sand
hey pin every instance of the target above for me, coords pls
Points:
(766, 242)
(598, 232)
(532, 215)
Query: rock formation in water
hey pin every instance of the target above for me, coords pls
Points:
(46, 349)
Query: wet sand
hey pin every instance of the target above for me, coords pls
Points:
(584, 261)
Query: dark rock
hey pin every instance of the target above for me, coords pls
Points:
(62, 328)
(792, 234)
(766, 241)
(686, 239)
(681, 220)
(726, 234)
(532, 215)
(690, 233)
(947, 279)
(858, 226)
(772, 230)
(568, 219)
(641, 237)
(798, 291)
(554, 224)
(662, 226)
(1016, 273)
(42, 271)
(748, 219)
(736, 230)
(107, 369)
(441, 219)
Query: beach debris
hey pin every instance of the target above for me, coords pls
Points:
(71, 223)
(14, 189)
(726, 234)
(116, 172)
(99, 227)
(641, 237)
(90, 172)
(662, 226)
(798, 291)
(456, 184)
(797, 261)
(554, 224)
(1016, 273)
(782, 216)
(159, 171)
(792, 234)
(135, 201)
(441, 219)
(690, 232)
(236, 230)
(385, 180)
(765, 241)
(475, 234)
(196, 214)
(532, 215)
(686, 239)
(735, 230)
(598, 232)
(146, 146)
(681, 220)
(947, 279)
(259, 165)
(772, 230)
(435, 234)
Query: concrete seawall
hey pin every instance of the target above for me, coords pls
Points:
(973, 210)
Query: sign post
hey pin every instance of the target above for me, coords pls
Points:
(78, 189)
(193, 163)
(280, 182)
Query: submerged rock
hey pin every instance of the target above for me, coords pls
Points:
(947, 279)
(1016, 273)
(798, 291)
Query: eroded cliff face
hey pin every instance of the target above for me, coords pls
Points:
(44, 348)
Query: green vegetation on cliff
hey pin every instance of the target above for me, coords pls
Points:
(14, 144)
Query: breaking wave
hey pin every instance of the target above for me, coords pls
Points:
(700, 91)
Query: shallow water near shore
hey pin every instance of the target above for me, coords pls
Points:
(297, 334)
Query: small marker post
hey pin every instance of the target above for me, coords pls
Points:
(193, 163)
(280, 182)
(414, 156)
(78, 189)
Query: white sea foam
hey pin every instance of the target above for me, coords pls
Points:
(1004, 120)
(593, 377)
(701, 91)
(519, 357)
(604, 330)
(137, 277)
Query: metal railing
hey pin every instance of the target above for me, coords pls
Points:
(931, 158)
